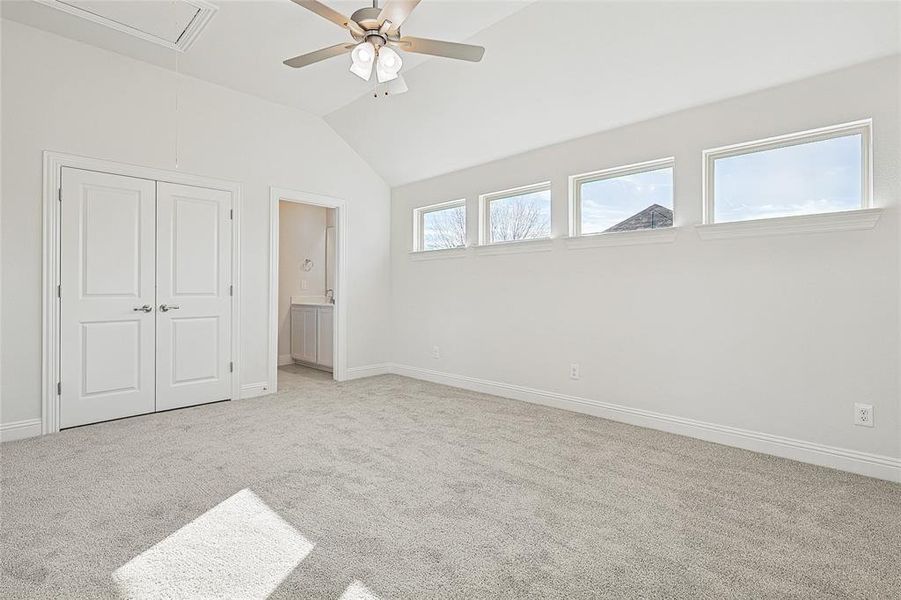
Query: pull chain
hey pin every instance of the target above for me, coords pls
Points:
(175, 25)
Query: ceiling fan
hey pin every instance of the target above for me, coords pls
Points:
(376, 32)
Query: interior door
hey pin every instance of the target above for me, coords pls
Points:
(106, 297)
(194, 245)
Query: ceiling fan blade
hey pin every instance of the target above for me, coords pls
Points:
(321, 54)
(397, 12)
(331, 14)
(440, 48)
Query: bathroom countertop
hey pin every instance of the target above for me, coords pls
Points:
(311, 301)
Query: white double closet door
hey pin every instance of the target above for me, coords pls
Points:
(145, 296)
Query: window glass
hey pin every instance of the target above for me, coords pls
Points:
(520, 217)
(627, 202)
(443, 228)
(821, 176)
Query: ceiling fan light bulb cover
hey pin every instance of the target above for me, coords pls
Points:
(388, 64)
(384, 76)
(363, 54)
(362, 72)
(361, 60)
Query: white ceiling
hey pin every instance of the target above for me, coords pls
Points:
(245, 43)
(553, 70)
(560, 70)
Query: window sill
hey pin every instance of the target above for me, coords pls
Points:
(663, 235)
(541, 245)
(848, 220)
(438, 254)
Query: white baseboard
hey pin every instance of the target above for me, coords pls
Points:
(367, 371)
(252, 390)
(863, 463)
(19, 430)
(285, 359)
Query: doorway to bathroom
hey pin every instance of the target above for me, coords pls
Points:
(306, 299)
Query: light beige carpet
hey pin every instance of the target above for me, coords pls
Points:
(391, 488)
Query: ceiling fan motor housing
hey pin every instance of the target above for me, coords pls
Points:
(367, 18)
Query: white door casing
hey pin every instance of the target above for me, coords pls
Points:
(194, 245)
(342, 292)
(106, 297)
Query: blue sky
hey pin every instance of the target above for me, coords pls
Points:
(609, 201)
(807, 178)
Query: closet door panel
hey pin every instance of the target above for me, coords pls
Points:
(107, 273)
(194, 245)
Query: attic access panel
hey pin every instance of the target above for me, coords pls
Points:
(175, 24)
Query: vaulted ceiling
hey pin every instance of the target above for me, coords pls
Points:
(553, 70)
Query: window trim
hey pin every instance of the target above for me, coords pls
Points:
(577, 181)
(419, 231)
(485, 201)
(863, 127)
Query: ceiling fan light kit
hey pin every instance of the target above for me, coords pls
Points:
(361, 60)
(388, 64)
(376, 33)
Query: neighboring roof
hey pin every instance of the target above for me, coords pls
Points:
(652, 217)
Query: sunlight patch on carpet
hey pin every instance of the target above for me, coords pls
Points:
(358, 591)
(240, 548)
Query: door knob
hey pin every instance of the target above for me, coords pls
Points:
(145, 308)
(168, 307)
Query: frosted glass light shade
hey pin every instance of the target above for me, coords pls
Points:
(362, 58)
(387, 64)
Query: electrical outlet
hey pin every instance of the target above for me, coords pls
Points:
(303, 284)
(436, 352)
(574, 370)
(863, 414)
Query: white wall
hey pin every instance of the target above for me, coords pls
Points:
(301, 235)
(777, 334)
(69, 97)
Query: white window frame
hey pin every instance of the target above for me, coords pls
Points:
(419, 231)
(485, 201)
(863, 127)
(577, 181)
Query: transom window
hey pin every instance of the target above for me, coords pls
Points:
(440, 226)
(623, 198)
(515, 215)
(821, 171)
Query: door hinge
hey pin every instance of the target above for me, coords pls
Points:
(231, 213)
(59, 388)
(59, 291)
(231, 290)
(59, 194)
(231, 367)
